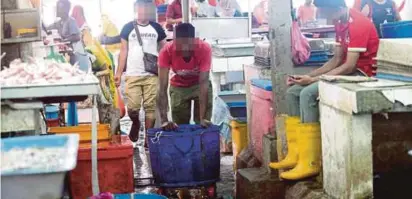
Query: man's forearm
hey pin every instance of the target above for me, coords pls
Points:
(344, 69)
(162, 104)
(203, 100)
(173, 21)
(73, 38)
(328, 66)
(105, 40)
(122, 64)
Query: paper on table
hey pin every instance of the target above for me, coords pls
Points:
(403, 96)
(383, 83)
(346, 79)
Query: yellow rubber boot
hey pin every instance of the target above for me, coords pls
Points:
(309, 163)
(291, 158)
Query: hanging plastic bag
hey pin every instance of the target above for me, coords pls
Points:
(221, 117)
(300, 45)
(220, 113)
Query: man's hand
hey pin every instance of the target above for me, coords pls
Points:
(169, 126)
(205, 123)
(290, 80)
(303, 80)
(117, 80)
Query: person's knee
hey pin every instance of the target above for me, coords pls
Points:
(293, 91)
(308, 96)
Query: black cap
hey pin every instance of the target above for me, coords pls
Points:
(185, 30)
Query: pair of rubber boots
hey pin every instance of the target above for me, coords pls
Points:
(304, 150)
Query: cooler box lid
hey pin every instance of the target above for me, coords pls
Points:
(236, 104)
(262, 83)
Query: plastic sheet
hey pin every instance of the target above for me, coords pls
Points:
(221, 117)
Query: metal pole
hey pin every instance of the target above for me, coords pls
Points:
(95, 174)
(185, 11)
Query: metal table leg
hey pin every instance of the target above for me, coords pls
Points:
(95, 177)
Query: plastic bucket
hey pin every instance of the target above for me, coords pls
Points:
(239, 137)
(401, 29)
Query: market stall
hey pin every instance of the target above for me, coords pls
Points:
(27, 87)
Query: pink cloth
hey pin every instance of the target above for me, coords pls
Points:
(78, 15)
(103, 196)
(300, 45)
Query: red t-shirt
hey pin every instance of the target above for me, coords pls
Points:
(186, 74)
(359, 35)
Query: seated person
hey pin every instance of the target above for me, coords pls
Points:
(190, 60)
(357, 45)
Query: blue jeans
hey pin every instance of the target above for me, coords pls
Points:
(303, 101)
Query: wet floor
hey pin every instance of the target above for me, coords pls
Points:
(143, 174)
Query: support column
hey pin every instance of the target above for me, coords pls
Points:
(186, 11)
(280, 23)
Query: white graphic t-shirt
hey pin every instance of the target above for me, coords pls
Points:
(151, 34)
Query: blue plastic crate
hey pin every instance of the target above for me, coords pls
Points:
(70, 142)
(52, 112)
(187, 157)
(237, 109)
(400, 29)
(161, 9)
(37, 183)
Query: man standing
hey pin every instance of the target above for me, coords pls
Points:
(190, 60)
(306, 12)
(261, 13)
(380, 11)
(140, 85)
(357, 45)
(174, 13)
(69, 31)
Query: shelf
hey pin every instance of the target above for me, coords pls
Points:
(19, 11)
(20, 40)
(21, 19)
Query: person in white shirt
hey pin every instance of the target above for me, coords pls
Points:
(204, 9)
(141, 85)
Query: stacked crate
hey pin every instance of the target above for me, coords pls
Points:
(318, 53)
(161, 13)
(262, 54)
(393, 60)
